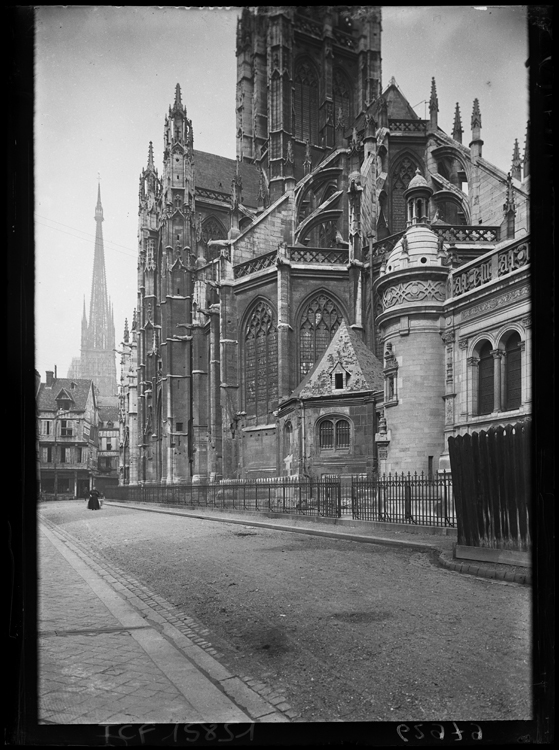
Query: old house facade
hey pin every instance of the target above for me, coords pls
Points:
(331, 301)
(67, 416)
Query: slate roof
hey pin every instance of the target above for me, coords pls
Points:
(46, 399)
(108, 414)
(214, 172)
(346, 348)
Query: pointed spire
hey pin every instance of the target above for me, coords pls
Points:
(476, 116)
(150, 156)
(509, 209)
(126, 332)
(178, 100)
(98, 207)
(516, 169)
(526, 164)
(457, 129)
(433, 106)
(134, 320)
(476, 143)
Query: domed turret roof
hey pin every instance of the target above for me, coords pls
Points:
(418, 247)
(417, 181)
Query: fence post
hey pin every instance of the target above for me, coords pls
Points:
(407, 499)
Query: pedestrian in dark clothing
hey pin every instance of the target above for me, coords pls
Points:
(94, 496)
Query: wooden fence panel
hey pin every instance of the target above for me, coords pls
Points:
(490, 474)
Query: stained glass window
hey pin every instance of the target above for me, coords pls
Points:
(319, 323)
(341, 91)
(305, 102)
(261, 361)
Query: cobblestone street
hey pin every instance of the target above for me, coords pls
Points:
(277, 626)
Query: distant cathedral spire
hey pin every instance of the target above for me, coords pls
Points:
(97, 358)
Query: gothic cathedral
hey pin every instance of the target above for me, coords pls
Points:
(343, 296)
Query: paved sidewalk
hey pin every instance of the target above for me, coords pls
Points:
(439, 541)
(103, 661)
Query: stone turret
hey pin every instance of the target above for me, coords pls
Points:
(411, 290)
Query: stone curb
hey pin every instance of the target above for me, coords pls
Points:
(368, 539)
(196, 650)
(444, 558)
(483, 571)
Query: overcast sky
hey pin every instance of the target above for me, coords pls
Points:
(104, 80)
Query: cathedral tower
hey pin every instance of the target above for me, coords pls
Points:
(304, 73)
(97, 356)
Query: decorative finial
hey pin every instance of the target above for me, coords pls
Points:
(476, 115)
(457, 129)
(178, 100)
(433, 101)
(526, 164)
(516, 169)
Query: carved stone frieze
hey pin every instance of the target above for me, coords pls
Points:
(413, 291)
(491, 304)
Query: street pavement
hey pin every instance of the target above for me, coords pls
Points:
(112, 652)
(439, 541)
(105, 660)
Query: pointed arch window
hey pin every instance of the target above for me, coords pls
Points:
(341, 91)
(213, 229)
(320, 321)
(401, 177)
(261, 361)
(305, 102)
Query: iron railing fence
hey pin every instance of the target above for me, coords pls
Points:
(397, 498)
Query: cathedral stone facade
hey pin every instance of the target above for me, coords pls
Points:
(339, 299)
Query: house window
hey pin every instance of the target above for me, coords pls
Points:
(65, 428)
(334, 434)
(513, 380)
(261, 361)
(47, 454)
(46, 427)
(486, 380)
(63, 455)
(109, 445)
(179, 427)
(79, 455)
(319, 323)
(342, 434)
(327, 434)
(287, 437)
(305, 102)
(338, 380)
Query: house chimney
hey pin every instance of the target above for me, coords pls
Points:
(50, 376)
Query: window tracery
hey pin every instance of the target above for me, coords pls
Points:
(401, 177)
(341, 91)
(319, 323)
(305, 102)
(261, 361)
